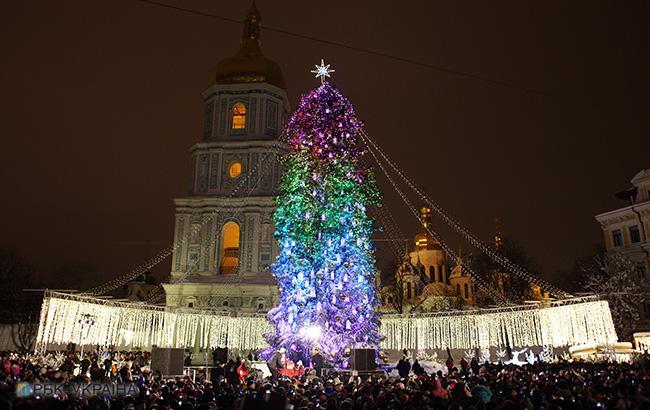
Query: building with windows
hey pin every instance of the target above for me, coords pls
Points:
(424, 281)
(224, 227)
(626, 229)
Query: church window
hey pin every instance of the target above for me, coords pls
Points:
(238, 116)
(635, 235)
(432, 273)
(441, 272)
(458, 288)
(234, 170)
(617, 238)
(229, 248)
(466, 291)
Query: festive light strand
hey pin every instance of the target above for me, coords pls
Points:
(156, 294)
(325, 269)
(495, 295)
(558, 325)
(64, 319)
(494, 255)
(170, 249)
(391, 231)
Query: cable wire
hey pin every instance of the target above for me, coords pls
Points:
(494, 255)
(405, 60)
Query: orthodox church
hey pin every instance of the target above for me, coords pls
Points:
(235, 174)
(223, 235)
(424, 280)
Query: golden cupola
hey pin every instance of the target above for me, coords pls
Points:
(249, 65)
(424, 240)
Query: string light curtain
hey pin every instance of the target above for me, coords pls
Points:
(575, 321)
(89, 321)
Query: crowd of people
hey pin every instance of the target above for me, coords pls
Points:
(465, 385)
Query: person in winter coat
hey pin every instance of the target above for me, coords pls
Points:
(276, 362)
(404, 367)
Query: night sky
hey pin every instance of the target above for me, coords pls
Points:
(101, 103)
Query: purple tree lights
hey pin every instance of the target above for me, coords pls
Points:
(325, 269)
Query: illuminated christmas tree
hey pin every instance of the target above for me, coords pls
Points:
(326, 268)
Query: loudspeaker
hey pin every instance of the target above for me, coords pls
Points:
(169, 362)
(362, 359)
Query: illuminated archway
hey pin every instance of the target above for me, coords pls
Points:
(229, 255)
(238, 116)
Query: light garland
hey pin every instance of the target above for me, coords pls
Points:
(494, 255)
(496, 296)
(130, 325)
(158, 293)
(642, 341)
(584, 321)
(170, 249)
(325, 269)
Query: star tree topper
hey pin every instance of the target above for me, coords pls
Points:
(322, 71)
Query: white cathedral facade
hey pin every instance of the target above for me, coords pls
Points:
(235, 175)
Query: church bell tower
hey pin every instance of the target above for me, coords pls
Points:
(234, 178)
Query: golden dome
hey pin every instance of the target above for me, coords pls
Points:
(249, 64)
(424, 240)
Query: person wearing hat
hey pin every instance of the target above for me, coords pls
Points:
(275, 362)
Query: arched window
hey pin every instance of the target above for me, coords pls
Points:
(234, 170)
(466, 291)
(458, 289)
(432, 273)
(441, 273)
(229, 258)
(238, 116)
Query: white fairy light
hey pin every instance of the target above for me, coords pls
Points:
(495, 256)
(170, 249)
(585, 321)
(129, 325)
(480, 282)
